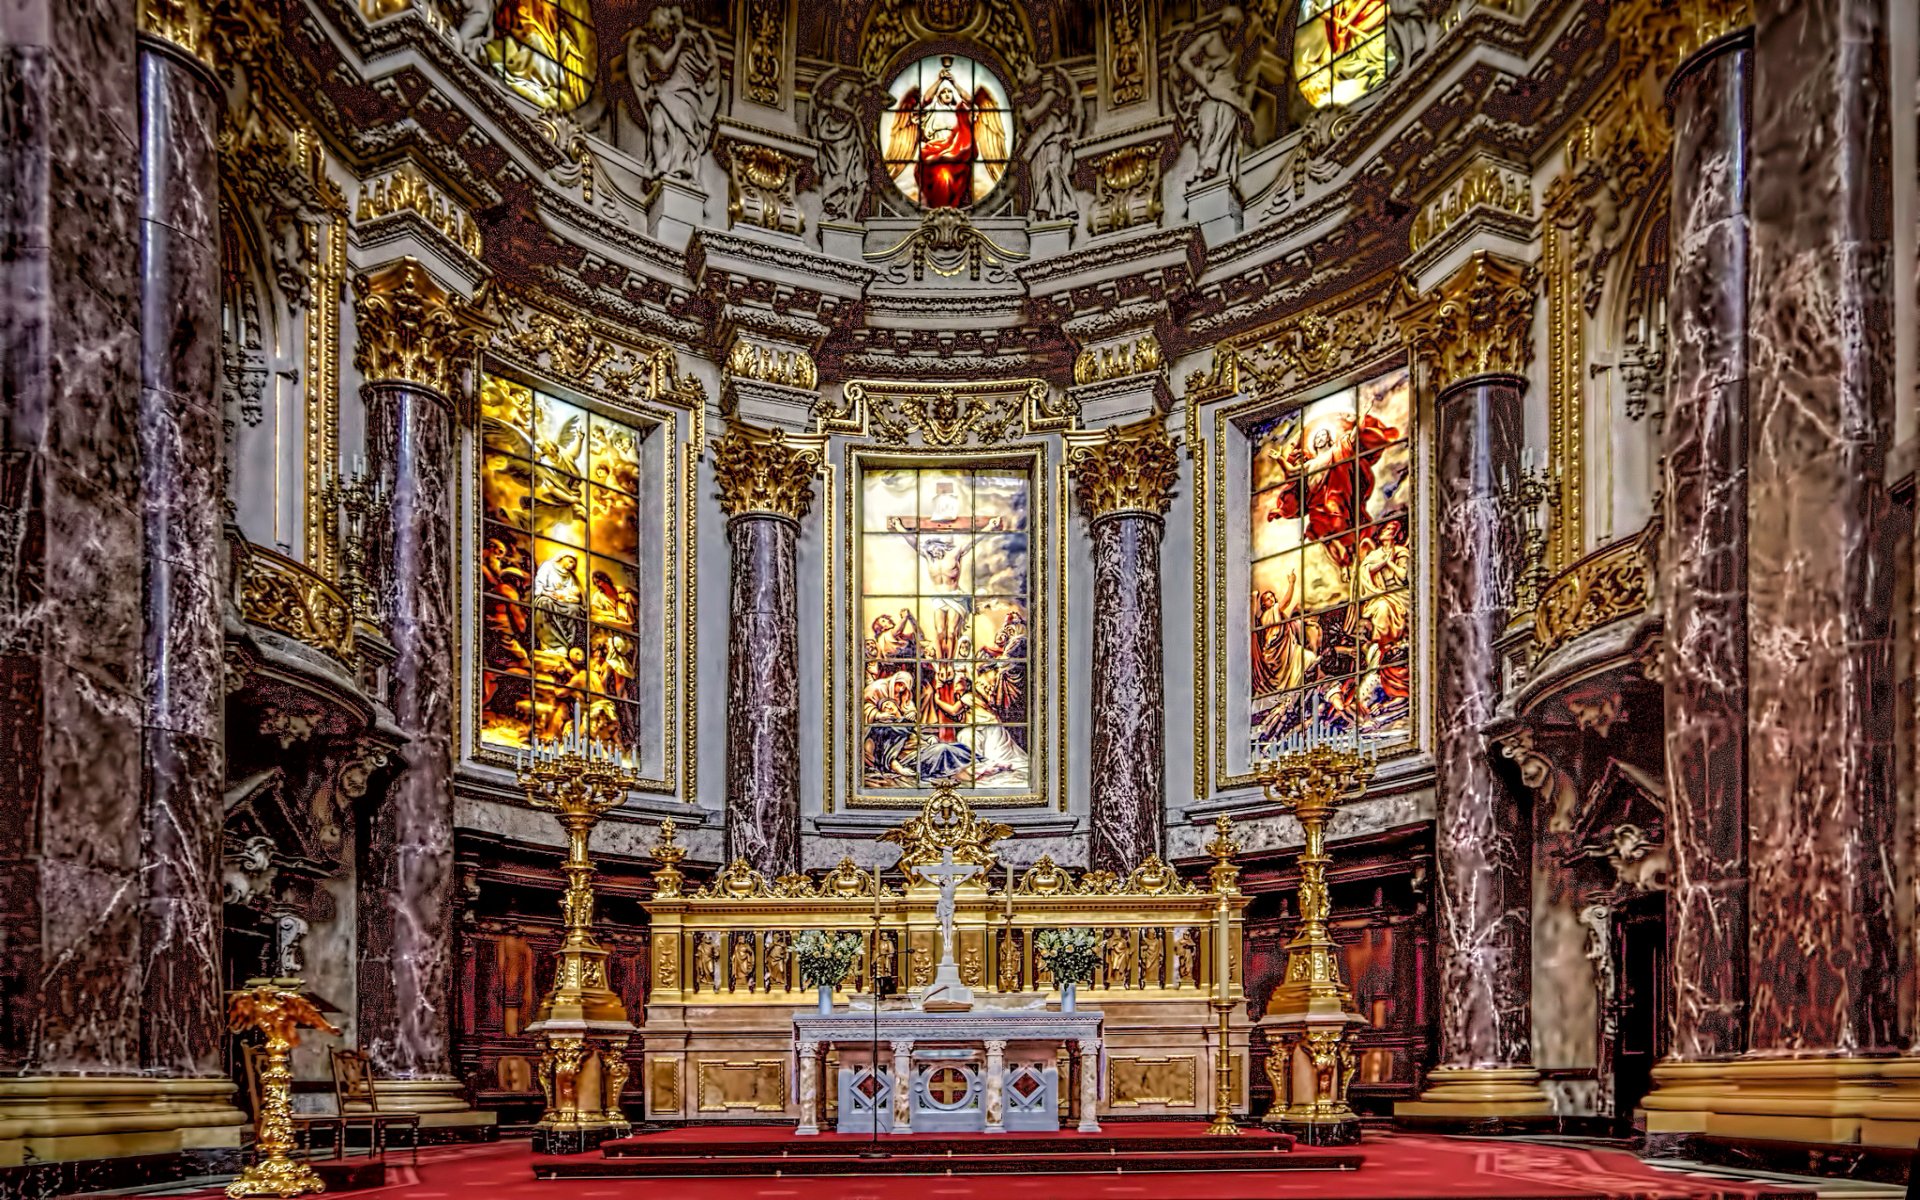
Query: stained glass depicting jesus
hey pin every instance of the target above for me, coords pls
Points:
(947, 133)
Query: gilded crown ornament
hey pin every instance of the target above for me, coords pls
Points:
(409, 329)
(1129, 469)
(766, 472)
(1479, 322)
(947, 822)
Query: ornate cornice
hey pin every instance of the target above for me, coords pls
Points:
(1126, 469)
(1478, 322)
(766, 472)
(945, 418)
(409, 329)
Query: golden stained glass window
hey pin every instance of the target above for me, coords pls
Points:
(544, 50)
(1330, 535)
(559, 570)
(1341, 50)
(944, 608)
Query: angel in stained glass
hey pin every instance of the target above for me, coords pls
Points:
(940, 135)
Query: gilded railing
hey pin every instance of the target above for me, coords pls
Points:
(1607, 585)
(281, 594)
(731, 941)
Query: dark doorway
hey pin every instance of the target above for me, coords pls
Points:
(1640, 1000)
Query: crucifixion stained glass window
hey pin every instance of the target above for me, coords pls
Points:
(1332, 567)
(1341, 50)
(943, 607)
(559, 576)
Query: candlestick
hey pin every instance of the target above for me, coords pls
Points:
(876, 893)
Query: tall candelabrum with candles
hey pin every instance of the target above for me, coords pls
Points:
(1311, 1017)
(581, 1017)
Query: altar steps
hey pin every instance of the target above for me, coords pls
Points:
(757, 1153)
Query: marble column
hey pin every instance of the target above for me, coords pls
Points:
(1473, 334)
(902, 1090)
(1123, 479)
(1820, 694)
(995, 1099)
(766, 489)
(1703, 558)
(410, 339)
(182, 1015)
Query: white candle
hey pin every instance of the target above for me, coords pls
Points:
(1222, 952)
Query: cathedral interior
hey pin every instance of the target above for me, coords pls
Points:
(542, 511)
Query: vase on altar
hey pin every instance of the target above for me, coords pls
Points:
(1066, 997)
(826, 999)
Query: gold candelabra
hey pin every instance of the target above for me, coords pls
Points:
(579, 782)
(1226, 885)
(1313, 1010)
(278, 1012)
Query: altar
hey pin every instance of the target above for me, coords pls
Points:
(984, 1071)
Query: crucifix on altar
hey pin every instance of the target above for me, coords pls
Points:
(947, 993)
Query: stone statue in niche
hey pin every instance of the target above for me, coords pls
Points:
(1213, 98)
(1119, 954)
(706, 962)
(1185, 953)
(777, 974)
(1050, 113)
(675, 72)
(835, 123)
(1407, 28)
(743, 963)
(1152, 957)
(883, 958)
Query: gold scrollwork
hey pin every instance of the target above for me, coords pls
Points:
(946, 243)
(762, 471)
(1479, 322)
(1608, 585)
(1485, 184)
(406, 189)
(947, 822)
(766, 50)
(770, 364)
(287, 597)
(762, 183)
(1128, 469)
(1126, 188)
(409, 329)
(946, 418)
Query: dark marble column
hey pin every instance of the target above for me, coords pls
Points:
(766, 488)
(70, 543)
(1474, 336)
(1820, 756)
(408, 343)
(1124, 484)
(182, 1011)
(1703, 560)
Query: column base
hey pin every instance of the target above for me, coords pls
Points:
(1344, 1132)
(1482, 1100)
(75, 1133)
(1822, 1101)
(574, 1139)
(441, 1104)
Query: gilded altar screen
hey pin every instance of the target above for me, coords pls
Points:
(1341, 50)
(947, 132)
(543, 49)
(1332, 568)
(560, 584)
(944, 606)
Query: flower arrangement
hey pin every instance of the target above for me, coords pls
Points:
(1069, 955)
(826, 957)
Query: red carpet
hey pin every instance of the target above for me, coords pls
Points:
(1397, 1167)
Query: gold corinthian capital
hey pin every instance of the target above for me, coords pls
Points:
(1129, 468)
(409, 329)
(1479, 322)
(765, 472)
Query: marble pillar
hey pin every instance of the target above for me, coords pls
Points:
(1474, 336)
(1123, 479)
(1820, 694)
(766, 489)
(183, 1015)
(1703, 559)
(902, 1089)
(409, 338)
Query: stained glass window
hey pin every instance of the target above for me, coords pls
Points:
(1330, 535)
(559, 575)
(944, 624)
(1341, 50)
(543, 49)
(947, 132)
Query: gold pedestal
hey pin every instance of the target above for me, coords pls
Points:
(1312, 1013)
(278, 1012)
(582, 1019)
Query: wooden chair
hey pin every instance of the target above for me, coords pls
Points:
(255, 1058)
(360, 1103)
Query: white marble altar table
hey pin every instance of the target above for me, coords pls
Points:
(990, 1029)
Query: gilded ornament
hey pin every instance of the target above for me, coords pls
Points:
(766, 50)
(762, 185)
(1141, 356)
(187, 24)
(1479, 322)
(1126, 52)
(409, 329)
(669, 854)
(946, 243)
(285, 596)
(738, 882)
(406, 189)
(766, 473)
(1485, 184)
(768, 364)
(571, 347)
(277, 1014)
(1130, 469)
(1126, 188)
(946, 822)
(1611, 584)
(896, 415)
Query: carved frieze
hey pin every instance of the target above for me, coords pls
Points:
(405, 189)
(1141, 356)
(409, 329)
(790, 367)
(572, 348)
(946, 243)
(1130, 469)
(1327, 340)
(943, 418)
(1479, 322)
(765, 472)
(1487, 186)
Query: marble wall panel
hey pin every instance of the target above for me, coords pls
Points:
(763, 696)
(1127, 816)
(1819, 758)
